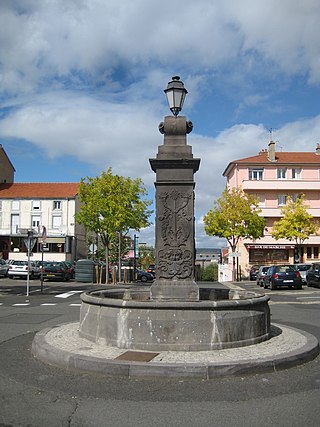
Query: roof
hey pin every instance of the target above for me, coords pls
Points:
(6, 157)
(281, 158)
(39, 190)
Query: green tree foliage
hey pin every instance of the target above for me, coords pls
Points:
(210, 273)
(235, 216)
(111, 204)
(146, 256)
(296, 224)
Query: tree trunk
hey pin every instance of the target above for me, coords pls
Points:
(233, 249)
(107, 264)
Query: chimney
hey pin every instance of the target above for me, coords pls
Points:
(272, 152)
(318, 149)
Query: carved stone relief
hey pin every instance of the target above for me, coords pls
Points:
(175, 225)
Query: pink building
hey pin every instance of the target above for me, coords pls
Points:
(272, 176)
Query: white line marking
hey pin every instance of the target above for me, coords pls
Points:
(21, 304)
(293, 302)
(310, 297)
(48, 303)
(68, 294)
(75, 305)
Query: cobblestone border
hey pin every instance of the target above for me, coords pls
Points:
(62, 346)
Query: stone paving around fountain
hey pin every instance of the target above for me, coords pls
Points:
(63, 347)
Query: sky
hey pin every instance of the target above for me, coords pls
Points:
(81, 86)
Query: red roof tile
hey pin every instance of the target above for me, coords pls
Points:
(281, 158)
(39, 190)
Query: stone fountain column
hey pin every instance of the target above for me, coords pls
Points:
(175, 245)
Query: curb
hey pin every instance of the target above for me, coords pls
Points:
(77, 361)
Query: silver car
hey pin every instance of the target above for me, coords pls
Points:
(261, 274)
(20, 269)
(3, 268)
(303, 268)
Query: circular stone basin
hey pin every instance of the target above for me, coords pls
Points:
(128, 318)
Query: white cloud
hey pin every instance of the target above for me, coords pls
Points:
(85, 78)
(94, 38)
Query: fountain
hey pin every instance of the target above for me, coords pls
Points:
(174, 328)
(174, 314)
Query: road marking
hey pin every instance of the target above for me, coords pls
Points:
(293, 302)
(68, 294)
(48, 303)
(21, 304)
(75, 305)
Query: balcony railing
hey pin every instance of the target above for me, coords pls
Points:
(281, 184)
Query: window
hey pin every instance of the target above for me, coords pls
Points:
(35, 221)
(255, 174)
(281, 173)
(261, 199)
(57, 205)
(296, 173)
(0, 205)
(56, 221)
(36, 205)
(282, 199)
(15, 221)
(15, 205)
(296, 196)
(316, 252)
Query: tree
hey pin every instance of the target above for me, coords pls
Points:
(296, 224)
(235, 216)
(146, 256)
(111, 204)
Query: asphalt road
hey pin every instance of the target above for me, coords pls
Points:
(35, 394)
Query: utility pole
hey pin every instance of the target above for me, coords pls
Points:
(29, 244)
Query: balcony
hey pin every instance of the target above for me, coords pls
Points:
(281, 184)
(275, 212)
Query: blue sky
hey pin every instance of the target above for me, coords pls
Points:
(81, 85)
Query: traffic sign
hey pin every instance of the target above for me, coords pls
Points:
(29, 244)
(234, 254)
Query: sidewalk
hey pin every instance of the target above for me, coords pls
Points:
(62, 346)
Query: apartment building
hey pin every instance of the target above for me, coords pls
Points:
(272, 176)
(38, 206)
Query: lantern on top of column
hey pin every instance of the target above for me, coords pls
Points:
(175, 93)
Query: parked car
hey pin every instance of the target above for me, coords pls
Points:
(71, 268)
(55, 270)
(20, 269)
(152, 269)
(3, 268)
(262, 274)
(144, 276)
(313, 275)
(303, 268)
(284, 275)
(253, 272)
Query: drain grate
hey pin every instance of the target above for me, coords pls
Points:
(137, 356)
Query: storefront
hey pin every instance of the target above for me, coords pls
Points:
(270, 254)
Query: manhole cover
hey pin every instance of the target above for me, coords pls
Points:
(137, 356)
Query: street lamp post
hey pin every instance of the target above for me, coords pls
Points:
(175, 166)
(30, 243)
(43, 242)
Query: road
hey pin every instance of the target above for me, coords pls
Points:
(35, 394)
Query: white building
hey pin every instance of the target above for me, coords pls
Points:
(32, 206)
